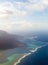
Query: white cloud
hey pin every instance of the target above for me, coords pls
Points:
(45, 2)
(33, 1)
(18, 26)
(33, 5)
(23, 26)
(37, 5)
(8, 9)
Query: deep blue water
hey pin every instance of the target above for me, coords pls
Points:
(40, 57)
(31, 44)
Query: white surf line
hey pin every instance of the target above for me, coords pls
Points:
(26, 54)
(38, 48)
(33, 50)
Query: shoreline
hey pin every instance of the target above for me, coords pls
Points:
(26, 54)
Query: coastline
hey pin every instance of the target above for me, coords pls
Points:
(38, 48)
(26, 54)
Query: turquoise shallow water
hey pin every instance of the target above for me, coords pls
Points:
(12, 59)
(39, 57)
(13, 55)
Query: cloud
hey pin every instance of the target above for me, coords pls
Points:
(19, 26)
(37, 5)
(5, 13)
(33, 1)
(23, 26)
(21, 9)
(5, 10)
(8, 9)
(33, 5)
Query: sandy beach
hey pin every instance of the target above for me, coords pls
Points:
(26, 54)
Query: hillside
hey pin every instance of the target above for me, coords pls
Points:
(9, 41)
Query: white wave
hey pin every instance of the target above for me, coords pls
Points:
(38, 48)
(26, 54)
(33, 50)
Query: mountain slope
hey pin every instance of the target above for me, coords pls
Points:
(9, 41)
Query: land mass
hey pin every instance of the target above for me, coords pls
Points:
(9, 41)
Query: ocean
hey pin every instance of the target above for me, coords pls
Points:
(39, 57)
(13, 55)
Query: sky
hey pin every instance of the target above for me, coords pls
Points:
(23, 15)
